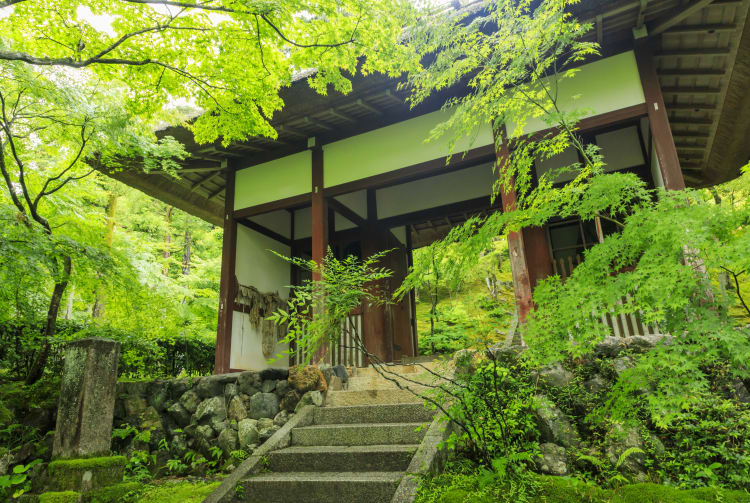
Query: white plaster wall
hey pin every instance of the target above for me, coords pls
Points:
(621, 148)
(452, 187)
(303, 223)
(355, 201)
(273, 180)
(279, 221)
(258, 267)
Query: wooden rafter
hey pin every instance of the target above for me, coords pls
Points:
(676, 15)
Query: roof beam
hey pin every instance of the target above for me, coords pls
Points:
(690, 106)
(691, 120)
(700, 28)
(341, 116)
(675, 16)
(689, 134)
(691, 72)
(346, 212)
(265, 231)
(698, 51)
(361, 103)
(690, 90)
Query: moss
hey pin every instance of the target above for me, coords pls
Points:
(114, 494)
(65, 474)
(565, 490)
(568, 490)
(60, 497)
(178, 492)
(463, 496)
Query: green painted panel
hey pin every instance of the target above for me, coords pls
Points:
(389, 148)
(599, 87)
(273, 180)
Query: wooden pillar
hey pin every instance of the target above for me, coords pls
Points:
(227, 288)
(529, 254)
(319, 210)
(412, 294)
(664, 147)
(319, 232)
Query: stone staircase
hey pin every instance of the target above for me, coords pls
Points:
(356, 450)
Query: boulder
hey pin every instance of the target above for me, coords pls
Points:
(644, 343)
(596, 384)
(327, 372)
(310, 398)
(209, 387)
(281, 418)
(150, 420)
(204, 432)
(178, 446)
(304, 378)
(618, 441)
(230, 391)
(622, 364)
(610, 347)
(159, 400)
(237, 410)
(282, 388)
(290, 401)
(556, 376)
(268, 386)
(134, 405)
(247, 431)
(178, 387)
(740, 391)
(219, 425)
(267, 433)
(211, 409)
(275, 374)
(263, 405)
(553, 460)
(249, 383)
(179, 414)
(553, 424)
(190, 400)
(228, 441)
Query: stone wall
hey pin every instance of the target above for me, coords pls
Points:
(233, 411)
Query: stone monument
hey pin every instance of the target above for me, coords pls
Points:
(87, 399)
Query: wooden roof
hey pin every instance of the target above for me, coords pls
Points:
(703, 60)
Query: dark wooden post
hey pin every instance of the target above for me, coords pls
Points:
(529, 254)
(666, 152)
(412, 293)
(227, 282)
(319, 230)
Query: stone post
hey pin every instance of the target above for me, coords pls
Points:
(87, 399)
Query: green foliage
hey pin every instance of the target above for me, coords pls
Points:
(709, 445)
(17, 482)
(492, 403)
(126, 492)
(318, 309)
(60, 497)
(228, 59)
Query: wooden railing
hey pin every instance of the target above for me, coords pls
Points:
(345, 351)
(620, 325)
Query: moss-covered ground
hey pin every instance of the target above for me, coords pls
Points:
(178, 492)
(567, 490)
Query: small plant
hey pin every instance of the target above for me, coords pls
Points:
(18, 480)
(239, 491)
(176, 466)
(239, 455)
(137, 467)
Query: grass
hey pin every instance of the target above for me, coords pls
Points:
(178, 492)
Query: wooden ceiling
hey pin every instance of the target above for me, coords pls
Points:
(703, 60)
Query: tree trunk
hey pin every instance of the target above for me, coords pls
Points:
(37, 368)
(98, 309)
(186, 253)
(69, 307)
(167, 240)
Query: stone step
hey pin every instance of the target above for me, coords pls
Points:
(358, 434)
(370, 397)
(387, 413)
(437, 366)
(320, 487)
(370, 458)
(415, 382)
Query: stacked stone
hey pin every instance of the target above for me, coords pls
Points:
(233, 411)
